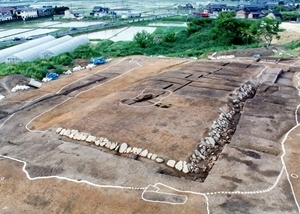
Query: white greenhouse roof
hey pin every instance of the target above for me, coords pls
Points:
(65, 47)
(33, 53)
(18, 48)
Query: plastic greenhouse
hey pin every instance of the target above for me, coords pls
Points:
(18, 48)
(33, 53)
(65, 47)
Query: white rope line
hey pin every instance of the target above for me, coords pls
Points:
(30, 130)
(76, 96)
(7, 119)
(65, 178)
(90, 75)
(191, 192)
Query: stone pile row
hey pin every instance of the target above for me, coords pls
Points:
(221, 129)
(122, 148)
(20, 88)
(180, 165)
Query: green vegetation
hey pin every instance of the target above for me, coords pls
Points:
(200, 37)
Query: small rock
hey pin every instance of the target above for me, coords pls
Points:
(58, 130)
(149, 155)
(90, 139)
(112, 146)
(123, 147)
(179, 165)
(102, 143)
(97, 142)
(77, 136)
(154, 156)
(108, 144)
(197, 170)
(197, 152)
(128, 150)
(62, 131)
(144, 153)
(211, 141)
(134, 150)
(67, 132)
(71, 136)
(185, 168)
(117, 148)
(84, 137)
(74, 131)
(171, 163)
(139, 150)
(159, 160)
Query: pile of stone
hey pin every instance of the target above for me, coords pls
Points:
(221, 129)
(78, 68)
(179, 165)
(122, 148)
(20, 88)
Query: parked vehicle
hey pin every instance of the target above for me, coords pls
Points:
(17, 39)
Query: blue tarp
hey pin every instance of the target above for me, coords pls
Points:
(52, 76)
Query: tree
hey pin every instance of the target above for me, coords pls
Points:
(228, 30)
(266, 29)
(143, 39)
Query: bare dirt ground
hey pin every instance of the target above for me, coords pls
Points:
(255, 173)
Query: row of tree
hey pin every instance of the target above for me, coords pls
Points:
(225, 30)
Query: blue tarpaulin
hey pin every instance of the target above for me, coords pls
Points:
(52, 76)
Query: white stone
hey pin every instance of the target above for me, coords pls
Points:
(211, 141)
(149, 155)
(144, 153)
(67, 132)
(91, 139)
(76, 136)
(108, 144)
(74, 131)
(134, 150)
(171, 163)
(138, 151)
(154, 156)
(178, 165)
(62, 131)
(112, 146)
(117, 147)
(84, 137)
(123, 147)
(97, 142)
(101, 139)
(159, 160)
(128, 150)
(71, 136)
(185, 167)
(58, 130)
(102, 143)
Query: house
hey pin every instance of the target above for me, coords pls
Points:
(45, 11)
(274, 15)
(215, 9)
(72, 15)
(120, 11)
(187, 6)
(5, 13)
(99, 9)
(27, 12)
(250, 12)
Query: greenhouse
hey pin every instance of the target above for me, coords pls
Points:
(18, 48)
(33, 53)
(65, 47)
